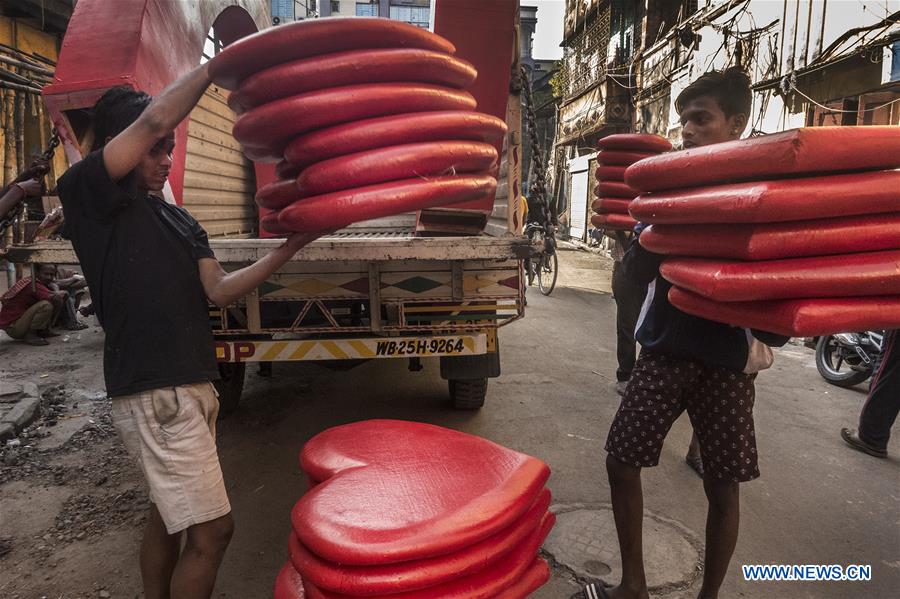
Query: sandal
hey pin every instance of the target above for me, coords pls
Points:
(594, 590)
(696, 464)
(851, 438)
(36, 341)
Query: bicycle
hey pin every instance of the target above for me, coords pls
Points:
(543, 264)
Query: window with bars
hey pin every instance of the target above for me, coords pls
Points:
(414, 15)
(585, 56)
(366, 9)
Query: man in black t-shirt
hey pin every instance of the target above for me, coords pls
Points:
(151, 273)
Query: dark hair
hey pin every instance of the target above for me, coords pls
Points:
(39, 265)
(729, 88)
(115, 111)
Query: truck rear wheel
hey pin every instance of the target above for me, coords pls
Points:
(468, 394)
(230, 386)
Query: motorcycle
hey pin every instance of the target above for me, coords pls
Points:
(848, 359)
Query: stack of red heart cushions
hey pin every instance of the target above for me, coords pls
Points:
(405, 510)
(617, 153)
(796, 233)
(368, 118)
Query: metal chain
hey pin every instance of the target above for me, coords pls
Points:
(10, 217)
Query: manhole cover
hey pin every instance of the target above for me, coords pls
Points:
(584, 540)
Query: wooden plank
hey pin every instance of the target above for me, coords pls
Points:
(208, 197)
(194, 179)
(208, 117)
(203, 132)
(213, 214)
(202, 162)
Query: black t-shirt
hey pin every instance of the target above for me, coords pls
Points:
(139, 255)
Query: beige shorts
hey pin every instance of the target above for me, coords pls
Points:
(171, 432)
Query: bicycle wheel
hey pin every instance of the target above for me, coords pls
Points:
(548, 270)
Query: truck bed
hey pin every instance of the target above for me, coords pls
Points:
(348, 245)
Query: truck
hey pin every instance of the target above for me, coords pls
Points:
(430, 285)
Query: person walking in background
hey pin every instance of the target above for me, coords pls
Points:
(882, 406)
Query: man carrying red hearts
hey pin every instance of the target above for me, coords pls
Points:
(686, 363)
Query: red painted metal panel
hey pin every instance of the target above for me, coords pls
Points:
(483, 32)
(145, 44)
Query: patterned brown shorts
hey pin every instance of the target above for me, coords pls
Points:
(718, 400)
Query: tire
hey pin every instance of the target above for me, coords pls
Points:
(230, 386)
(829, 371)
(547, 273)
(468, 394)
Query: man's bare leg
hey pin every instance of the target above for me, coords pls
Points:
(195, 573)
(159, 554)
(722, 524)
(628, 510)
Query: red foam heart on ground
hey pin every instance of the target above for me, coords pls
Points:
(269, 127)
(419, 574)
(397, 491)
(794, 239)
(351, 68)
(771, 201)
(616, 222)
(798, 317)
(621, 158)
(635, 142)
(332, 211)
(394, 130)
(486, 584)
(610, 173)
(791, 153)
(288, 584)
(315, 37)
(850, 275)
(610, 206)
(394, 163)
(614, 189)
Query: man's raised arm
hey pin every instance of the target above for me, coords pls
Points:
(124, 152)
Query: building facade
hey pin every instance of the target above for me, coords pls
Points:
(812, 63)
(415, 12)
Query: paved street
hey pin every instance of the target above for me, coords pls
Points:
(817, 501)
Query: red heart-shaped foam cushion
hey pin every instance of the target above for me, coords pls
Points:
(613, 221)
(393, 163)
(272, 125)
(796, 317)
(351, 68)
(534, 578)
(485, 584)
(849, 275)
(288, 584)
(332, 211)
(610, 205)
(419, 574)
(635, 142)
(395, 130)
(771, 241)
(769, 201)
(614, 189)
(315, 37)
(395, 491)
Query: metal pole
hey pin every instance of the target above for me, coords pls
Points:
(808, 27)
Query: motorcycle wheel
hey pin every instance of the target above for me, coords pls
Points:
(832, 370)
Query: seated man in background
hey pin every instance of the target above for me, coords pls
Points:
(30, 306)
(76, 287)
